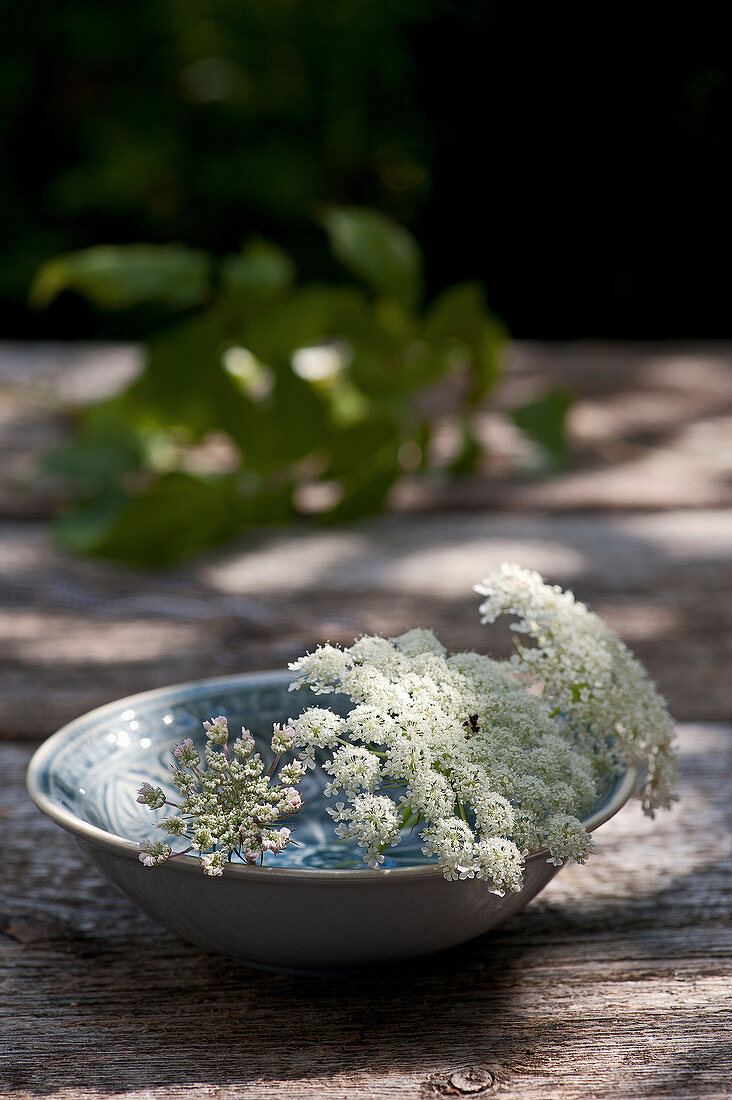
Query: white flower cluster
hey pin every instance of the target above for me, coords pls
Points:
(372, 820)
(229, 805)
(587, 675)
(488, 761)
(483, 770)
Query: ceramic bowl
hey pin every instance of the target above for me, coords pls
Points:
(319, 907)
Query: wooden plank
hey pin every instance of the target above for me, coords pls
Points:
(616, 982)
(75, 634)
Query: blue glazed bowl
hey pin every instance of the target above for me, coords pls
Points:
(317, 907)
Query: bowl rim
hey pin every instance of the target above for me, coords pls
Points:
(41, 761)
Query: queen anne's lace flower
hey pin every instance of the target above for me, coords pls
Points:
(588, 675)
(417, 641)
(489, 760)
(354, 768)
(275, 840)
(213, 863)
(290, 802)
(282, 738)
(370, 819)
(152, 854)
(217, 730)
(230, 805)
(451, 839)
(567, 839)
(316, 728)
(292, 772)
(154, 797)
(186, 752)
(501, 861)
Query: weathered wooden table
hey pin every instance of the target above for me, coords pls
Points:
(616, 981)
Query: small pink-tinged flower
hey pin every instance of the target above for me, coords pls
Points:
(153, 853)
(275, 840)
(213, 864)
(292, 772)
(244, 745)
(186, 753)
(217, 730)
(282, 738)
(154, 797)
(290, 802)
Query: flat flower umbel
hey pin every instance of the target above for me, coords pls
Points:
(230, 806)
(588, 674)
(482, 769)
(489, 761)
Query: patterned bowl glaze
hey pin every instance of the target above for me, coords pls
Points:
(318, 907)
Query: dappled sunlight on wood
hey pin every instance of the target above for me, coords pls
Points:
(69, 639)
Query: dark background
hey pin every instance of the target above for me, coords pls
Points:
(571, 158)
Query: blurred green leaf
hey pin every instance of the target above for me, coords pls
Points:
(184, 383)
(365, 460)
(104, 450)
(489, 358)
(468, 456)
(357, 448)
(457, 313)
(422, 438)
(295, 424)
(177, 515)
(277, 387)
(363, 493)
(459, 319)
(84, 528)
(262, 273)
(545, 422)
(311, 315)
(378, 250)
(122, 276)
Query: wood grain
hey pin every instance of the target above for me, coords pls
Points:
(616, 982)
(76, 634)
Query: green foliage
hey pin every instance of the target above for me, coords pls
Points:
(545, 422)
(457, 321)
(180, 513)
(262, 398)
(260, 274)
(121, 276)
(377, 250)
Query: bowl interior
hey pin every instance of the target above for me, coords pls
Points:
(93, 768)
